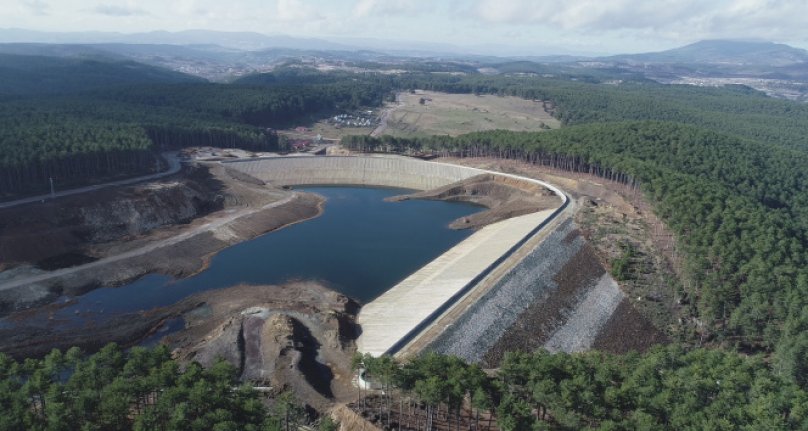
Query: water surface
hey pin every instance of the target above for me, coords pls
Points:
(360, 246)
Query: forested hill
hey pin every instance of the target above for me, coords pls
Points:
(22, 75)
(117, 130)
(107, 105)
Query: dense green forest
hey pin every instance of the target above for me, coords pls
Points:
(142, 389)
(665, 389)
(117, 131)
(24, 75)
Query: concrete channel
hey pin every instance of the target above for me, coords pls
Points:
(395, 319)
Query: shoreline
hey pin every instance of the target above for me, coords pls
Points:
(206, 259)
(180, 256)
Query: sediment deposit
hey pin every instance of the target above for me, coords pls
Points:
(503, 196)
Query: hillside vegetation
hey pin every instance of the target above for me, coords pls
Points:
(98, 134)
(741, 214)
(22, 75)
(725, 171)
(665, 389)
(141, 389)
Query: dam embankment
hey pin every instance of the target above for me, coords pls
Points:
(397, 317)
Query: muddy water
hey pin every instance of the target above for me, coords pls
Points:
(360, 246)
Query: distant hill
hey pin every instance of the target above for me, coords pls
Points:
(723, 52)
(30, 74)
(237, 40)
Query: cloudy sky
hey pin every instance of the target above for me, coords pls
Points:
(530, 26)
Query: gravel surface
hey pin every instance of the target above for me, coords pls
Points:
(559, 297)
(474, 333)
(547, 314)
(591, 314)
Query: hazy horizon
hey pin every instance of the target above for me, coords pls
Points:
(508, 27)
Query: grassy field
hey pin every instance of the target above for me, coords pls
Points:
(456, 114)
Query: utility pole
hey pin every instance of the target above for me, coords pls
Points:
(53, 192)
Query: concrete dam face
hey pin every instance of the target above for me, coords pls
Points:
(394, 321)
(367, 171)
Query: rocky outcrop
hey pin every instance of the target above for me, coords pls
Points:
(297, 337)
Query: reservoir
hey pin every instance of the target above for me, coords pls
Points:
(360, 246)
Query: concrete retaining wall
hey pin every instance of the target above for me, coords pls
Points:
(371, 171)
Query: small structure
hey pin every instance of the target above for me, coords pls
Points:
(300, 145)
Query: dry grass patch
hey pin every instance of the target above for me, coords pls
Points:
(456, 114)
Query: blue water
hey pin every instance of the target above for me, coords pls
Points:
(360, 246)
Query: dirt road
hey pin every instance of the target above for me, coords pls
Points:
(207, 227)
(173, 167)
(386, 116)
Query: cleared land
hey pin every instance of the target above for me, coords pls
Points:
(456, 114)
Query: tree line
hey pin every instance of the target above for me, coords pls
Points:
(667, 388)
(140, 389)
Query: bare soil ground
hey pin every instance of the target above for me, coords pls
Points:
(57, 232)
(628, 330)
(504, 197)
(455, 114)
(328, 131)
(298, 336)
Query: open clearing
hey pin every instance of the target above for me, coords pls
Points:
(456, 114)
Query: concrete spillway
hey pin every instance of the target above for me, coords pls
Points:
(396, 317)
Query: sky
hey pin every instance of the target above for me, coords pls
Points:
(537, 27)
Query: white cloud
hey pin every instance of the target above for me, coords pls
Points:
(584, 25)
(665, 18)
(36, 7)
(295, 10)
(367, 8)
(118, 11)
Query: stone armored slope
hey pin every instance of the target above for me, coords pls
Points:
(383, 171)
(545, 301)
